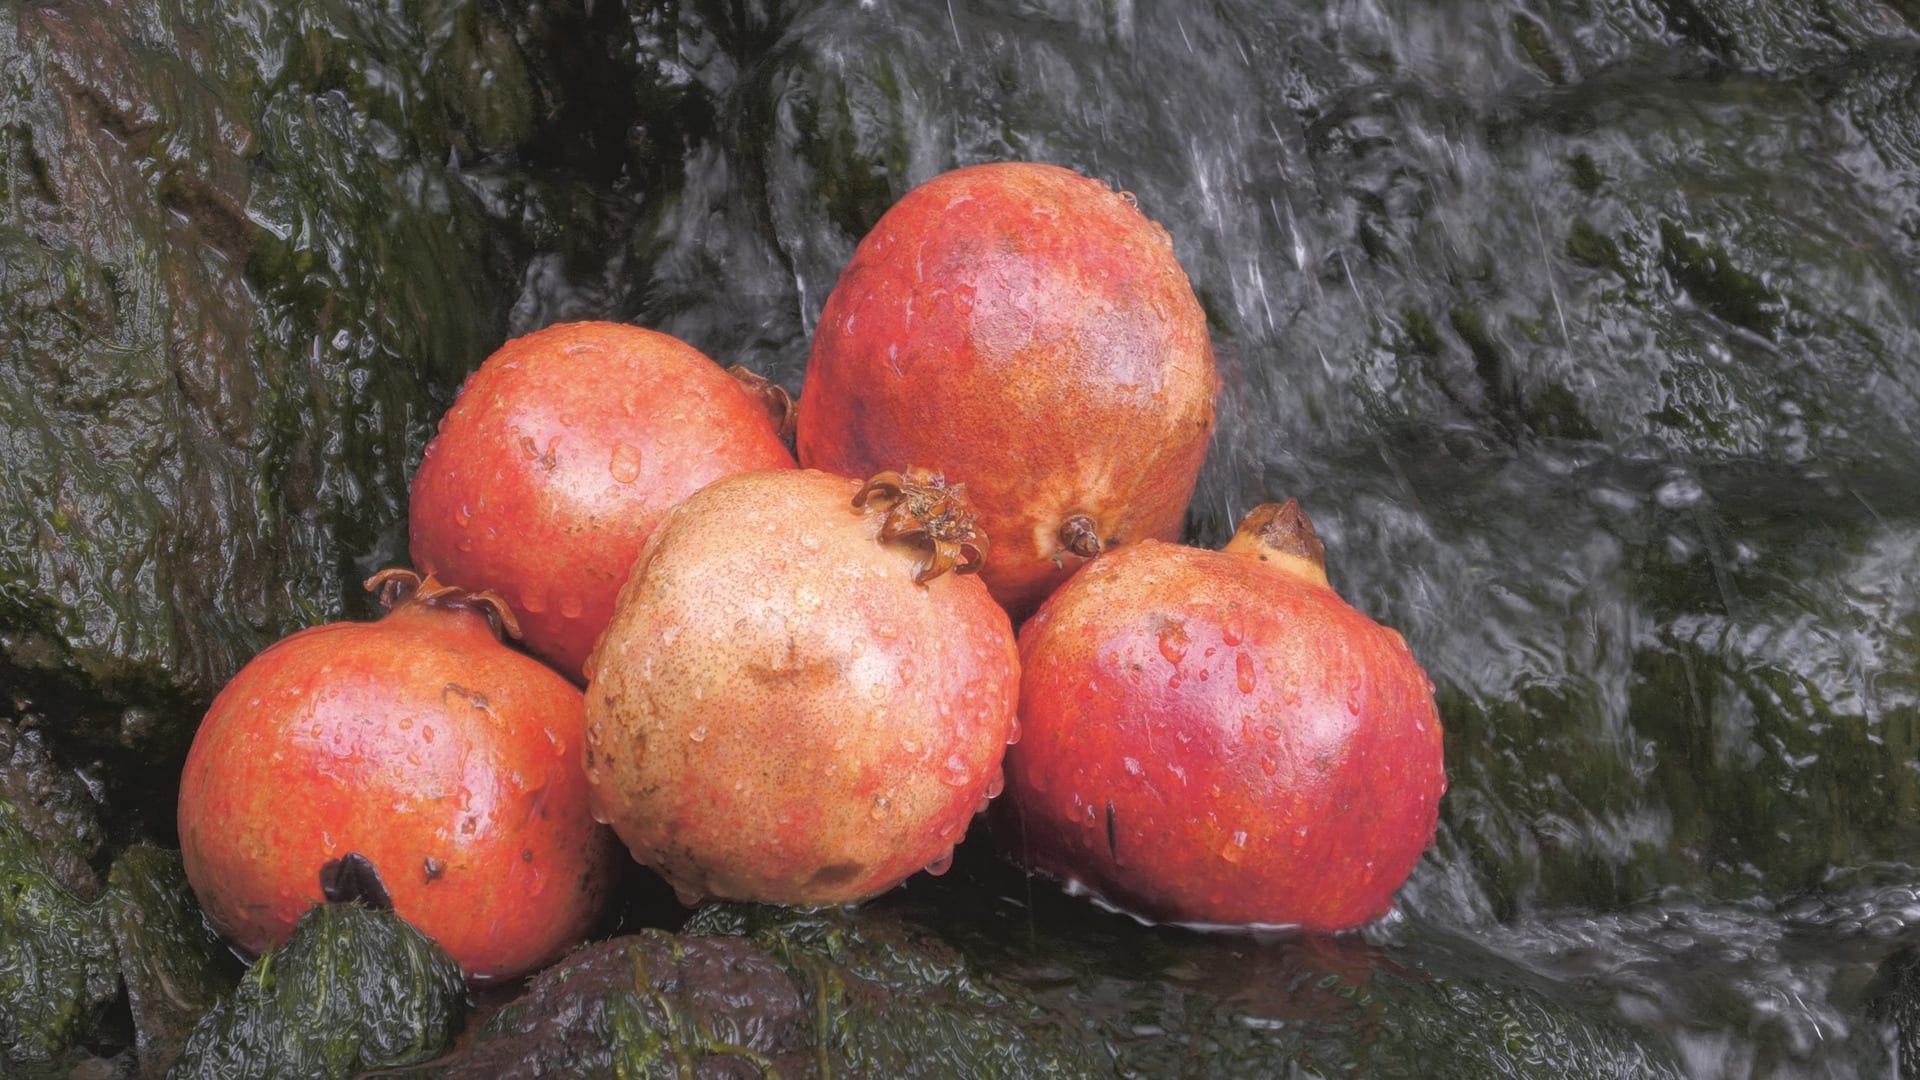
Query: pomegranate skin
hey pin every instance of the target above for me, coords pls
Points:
(560, 455)
(1211, 737)
(778, 712)
(424, 744)
(1027, 331)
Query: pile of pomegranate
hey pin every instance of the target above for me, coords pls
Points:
(798, 681)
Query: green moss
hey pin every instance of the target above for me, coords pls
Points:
(352, 990)
(57, 960)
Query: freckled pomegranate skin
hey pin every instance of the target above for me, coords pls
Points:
(449, 760)
(1026, 331)
(560, 455)
(779, 713)
(1209, 740)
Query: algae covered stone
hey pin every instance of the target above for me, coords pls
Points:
(354, 989)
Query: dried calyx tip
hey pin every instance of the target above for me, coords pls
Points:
(773, 396)
(926, 511)
(1080, 535)
(396, 585)
(1281, 534)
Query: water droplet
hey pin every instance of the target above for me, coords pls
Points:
(1300, 836)
(533, 601)
(1236, 850)
(1013, 730)
(1243, 669)
(625, 466)
(941, 864)
(1233, 629)
(1353, 694)
(1133, 766)
(1269, 766)
(571, 606)
(698, 734)
(466, 543)
(1205, 674)
(426, 732)
(955, 773)
(1173, 643)
(882, 806)
(760, 587)
(464, 515)
(998, 784)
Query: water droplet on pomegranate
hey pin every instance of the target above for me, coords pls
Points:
(760, 587)
(625, 466)
(1013, 730)
(882, 806)
(941, 864)
(1353, 694)
(1300, 836)
(1205, 674)
(955, 772)
(571, 606)
(698, 734)
(464, 515)
(466, 543)
(1173, 643)
(1243, 670)
(998, 784)
(1133, 766)
(426, 732)
(1235, 850)
(533, 601)
(1233, 629)
(1269, 766)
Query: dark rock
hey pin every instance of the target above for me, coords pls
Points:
(55, 807)
(57, 962)
(352, 990)
(174, 967)
(648, 1005)
(242, 280)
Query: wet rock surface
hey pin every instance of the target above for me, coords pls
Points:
(1584, 330)
(652, 1004)
(352, 990)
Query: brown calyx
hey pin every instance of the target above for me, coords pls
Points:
(1081, 535)
(1281, 535)
(396, 586)
(772, 396)
(924, 510)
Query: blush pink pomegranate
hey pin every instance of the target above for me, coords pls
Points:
(803, 697)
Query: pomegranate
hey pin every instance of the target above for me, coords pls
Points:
(420, 744)
(1217, 737)
(562, 452)
(794, 703)
(1027, 331)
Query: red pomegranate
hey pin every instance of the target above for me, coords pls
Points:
(421, 744)
(1026, 331)
(560, 455)
(794, 703)
(1217, 737)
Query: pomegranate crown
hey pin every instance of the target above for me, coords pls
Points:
(922, 509)
(396, 586)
